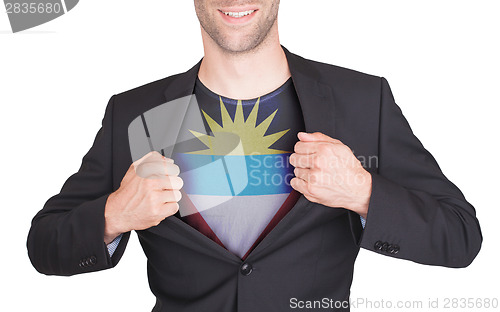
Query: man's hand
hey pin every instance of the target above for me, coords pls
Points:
(148, 193)
(328, 173)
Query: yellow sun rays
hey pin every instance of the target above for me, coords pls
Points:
(239, 137)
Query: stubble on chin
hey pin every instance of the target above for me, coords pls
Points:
(247, 44)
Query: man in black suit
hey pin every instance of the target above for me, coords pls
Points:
(306, 253)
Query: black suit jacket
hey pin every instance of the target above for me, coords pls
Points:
(415, 212)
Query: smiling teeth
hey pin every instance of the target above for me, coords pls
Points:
(239, 14)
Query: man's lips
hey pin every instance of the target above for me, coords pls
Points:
(237, 15)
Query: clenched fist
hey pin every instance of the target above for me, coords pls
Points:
(327, 172)
(148, 193)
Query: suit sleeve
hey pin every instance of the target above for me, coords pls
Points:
(415, 212)
(67, 236)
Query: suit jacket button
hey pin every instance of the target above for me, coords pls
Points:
(378, 245)
(83, 263)
(390, 249)
(396, 249)
(93, 260)
(246, 269)
(384, 246)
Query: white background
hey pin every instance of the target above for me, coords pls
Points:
(441, 59)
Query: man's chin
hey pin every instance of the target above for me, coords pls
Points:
(239, 50)
(239, 45)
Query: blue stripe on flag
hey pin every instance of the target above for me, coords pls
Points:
(235, 174)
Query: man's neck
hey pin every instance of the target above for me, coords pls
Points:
(246, 75)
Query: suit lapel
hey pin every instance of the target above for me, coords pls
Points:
(183, 84)
(179, 93)
(318, 109)
(158, 127)
(315, 97)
